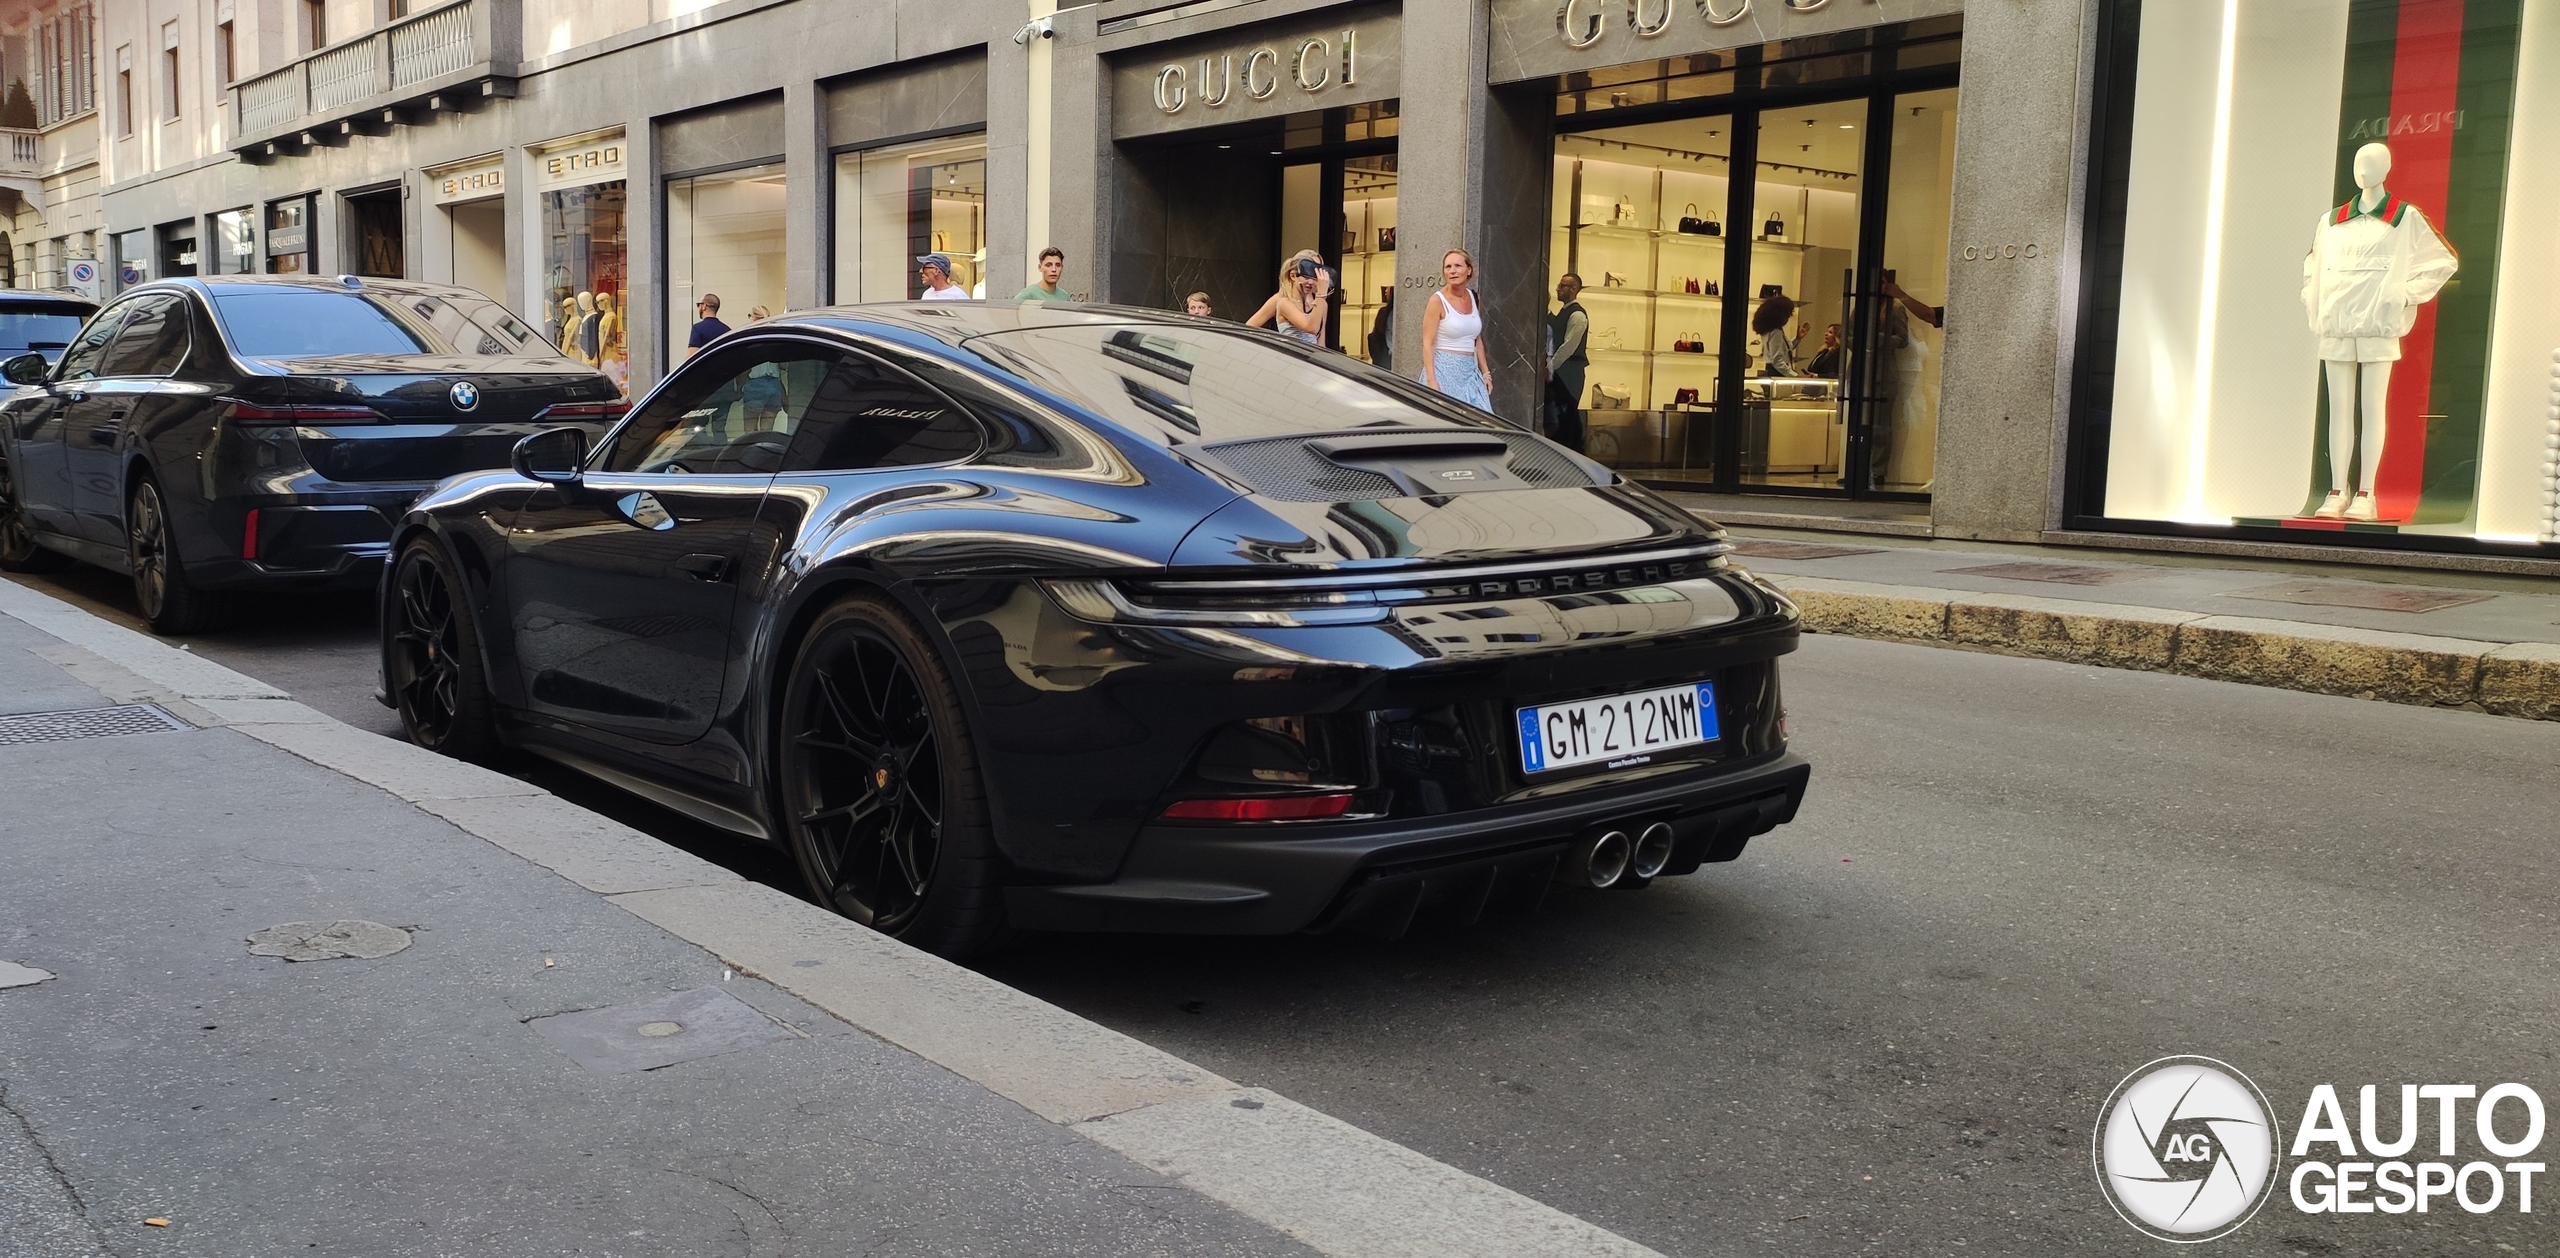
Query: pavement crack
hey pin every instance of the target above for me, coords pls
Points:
(52, 1168)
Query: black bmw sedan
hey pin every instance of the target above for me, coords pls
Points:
(1085, 618)
(216, 436)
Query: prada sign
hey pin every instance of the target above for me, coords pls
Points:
(1224, 79)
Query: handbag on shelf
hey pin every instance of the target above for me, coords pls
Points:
(1710, 290)
(1692, 225)
(1351, 240)
(1691, 286)
(1690, 344)
(1774, 229)
(1768, 291)
(1611, 279)
(1610, 397)
(1684, 397)
(1386, 240)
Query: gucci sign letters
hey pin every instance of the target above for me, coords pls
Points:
(1581, 23)
(1310, 65)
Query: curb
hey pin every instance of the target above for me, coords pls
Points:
(1321, 1181)
(2510, 679)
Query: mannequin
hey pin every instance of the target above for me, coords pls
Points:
(613, 358)
(2373, 262)
(569, 329)
(590, 350)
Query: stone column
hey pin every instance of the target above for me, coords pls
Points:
(807, 246)
(2004, 396)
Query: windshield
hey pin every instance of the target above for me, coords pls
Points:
(1182, 383)
(42, 329)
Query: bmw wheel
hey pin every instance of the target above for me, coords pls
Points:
(18, 549)
(161, 590)
(431, 658)
(882, 803)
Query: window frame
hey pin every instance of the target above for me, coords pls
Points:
(118, 311)
(141, 302)
(887, 361)
(599, 458)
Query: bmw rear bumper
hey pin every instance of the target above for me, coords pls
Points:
(1382, 877)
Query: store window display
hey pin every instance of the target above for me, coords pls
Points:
(586, 262)
(2332, 311)
(725, 236)
(898, 202)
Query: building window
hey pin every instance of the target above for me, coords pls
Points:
(2329, 317)
(315, 21)
(289, 237)
(225, 68)
(66, 75)
(169, 70)
(724, 239)
(124, 90)
(235, 242)
(896, 202)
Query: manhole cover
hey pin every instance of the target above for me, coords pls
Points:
(2380, 598)
(2056, 573)
(54, 727)
(648, 1034)
(328, 941)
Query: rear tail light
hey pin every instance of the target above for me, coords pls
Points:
(1261, 808)
(1105, 601)
(249, 535)
(256, 413)
(584, 411)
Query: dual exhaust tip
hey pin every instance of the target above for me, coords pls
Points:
(1610, 856)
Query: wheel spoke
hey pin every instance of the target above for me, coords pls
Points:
(853, 812)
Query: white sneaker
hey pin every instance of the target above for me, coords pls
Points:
(2362, 508)
(2332, 507)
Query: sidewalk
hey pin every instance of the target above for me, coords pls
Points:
(2470, 640)
(539, 1032)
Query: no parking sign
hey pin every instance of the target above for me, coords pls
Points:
(84, 276)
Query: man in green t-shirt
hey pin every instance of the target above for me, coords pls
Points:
(1053, 264)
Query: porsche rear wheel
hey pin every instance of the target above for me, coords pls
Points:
(883, 805)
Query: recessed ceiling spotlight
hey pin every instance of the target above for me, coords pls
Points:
(1848, 126)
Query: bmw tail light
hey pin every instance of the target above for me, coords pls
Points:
(257, 413)
(584, 411)
(1262, 808)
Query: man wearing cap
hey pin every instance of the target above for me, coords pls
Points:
(935, 270)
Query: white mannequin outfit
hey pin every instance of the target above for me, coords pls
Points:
(2373, 262)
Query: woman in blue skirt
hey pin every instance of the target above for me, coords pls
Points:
(1453, 329)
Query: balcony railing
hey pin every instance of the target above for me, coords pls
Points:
(25, 153)
(416, 57)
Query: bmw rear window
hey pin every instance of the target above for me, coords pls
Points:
(306, 323)
(40, 328)
(1185, 383)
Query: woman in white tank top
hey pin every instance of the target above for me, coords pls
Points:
(1453, 331)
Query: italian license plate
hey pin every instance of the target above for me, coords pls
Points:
(1632, 728)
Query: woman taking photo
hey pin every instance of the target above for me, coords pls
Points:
(1453, 332)
(1298, 309)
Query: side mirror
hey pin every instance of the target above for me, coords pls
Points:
(554, 456)
(25, 369)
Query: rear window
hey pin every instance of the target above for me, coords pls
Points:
(1186, 384)
(303, 323)
(40, 328)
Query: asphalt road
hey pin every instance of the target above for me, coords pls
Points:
(1889, 1027)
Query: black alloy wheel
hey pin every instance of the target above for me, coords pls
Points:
(18, 549)
(880, 793)
(161, 590)
(431, 658)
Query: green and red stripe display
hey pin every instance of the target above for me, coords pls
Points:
(2435, 80)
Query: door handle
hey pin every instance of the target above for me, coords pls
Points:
(705, 567)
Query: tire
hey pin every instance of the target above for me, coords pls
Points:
(18, 549)
(883, 805)
(431, 661)
(161, 591)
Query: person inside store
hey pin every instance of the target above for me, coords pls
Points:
(1197, 306)
(1298, 310)
(934, 270)
(1903, 356)
(1053, 268)
(1826, 361)
(1568, 354)
(1382, 332)
(708, 328)
(1777, 344)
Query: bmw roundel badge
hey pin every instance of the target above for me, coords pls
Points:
(465, 395)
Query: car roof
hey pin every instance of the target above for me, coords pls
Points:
(952, 322)
(43, 297)
(219, 284)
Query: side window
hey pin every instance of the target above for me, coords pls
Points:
(152, 342)
(873, 415)
(80, 362)
(731, 410)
